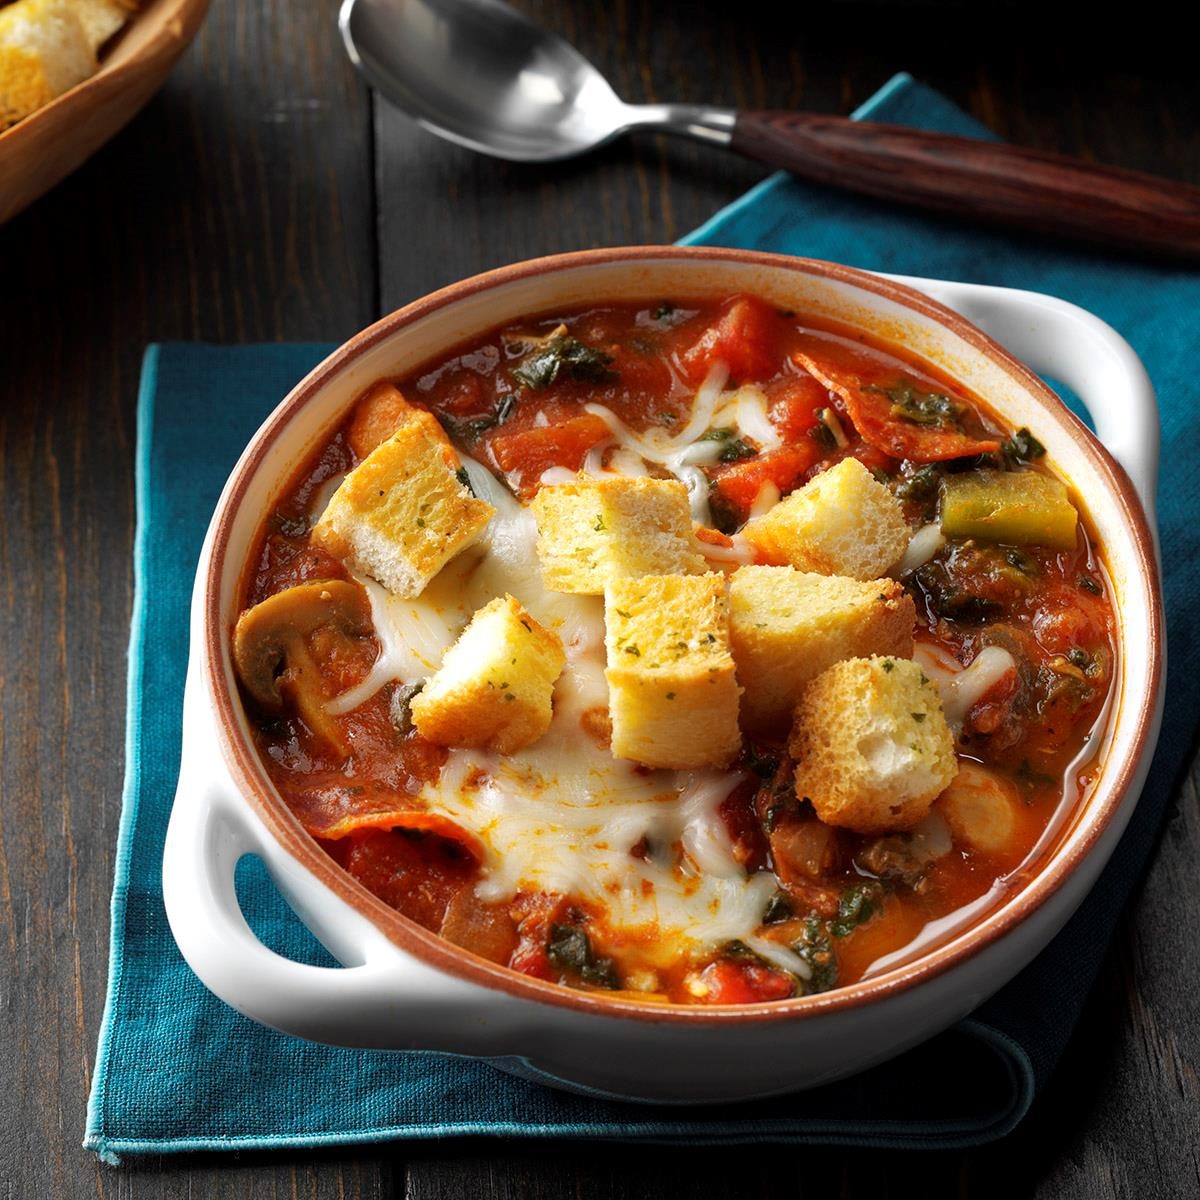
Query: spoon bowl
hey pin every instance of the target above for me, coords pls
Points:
(486, 77)
(482, 75)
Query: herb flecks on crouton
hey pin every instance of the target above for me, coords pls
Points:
(495, 686)
(597, 530)
(788, 626)
(403, 512)
(871, 745)
(673, 695)
(842, 522)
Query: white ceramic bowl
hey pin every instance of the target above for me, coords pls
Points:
(402, 987)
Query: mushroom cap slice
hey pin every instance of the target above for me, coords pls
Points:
(275, 629)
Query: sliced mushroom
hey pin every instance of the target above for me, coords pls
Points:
(271, 654)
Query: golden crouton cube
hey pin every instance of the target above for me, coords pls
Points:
(101, 18)
(44, 51)
(596, 530)
(495, 685)
(787, 626)
(672, 691)
(871, 745)
(842, 522)
(403, 512)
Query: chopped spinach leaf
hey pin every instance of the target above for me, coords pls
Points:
(823, 436)
(910, 403)
(783, 804)
(399, 707)
(465, 479)
(469, 430)
(1088, 584)
(725, 516)
(562, 354)
(779, 908)
(857, 904)
(815, 948)
(292, 527)
(921, 484)
(763, 765)
(735, 451)
(1077, 656)
(1022, 447)
(570, 949)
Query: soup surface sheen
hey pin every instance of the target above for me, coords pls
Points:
(715, 883)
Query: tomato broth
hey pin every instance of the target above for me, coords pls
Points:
(797, 905)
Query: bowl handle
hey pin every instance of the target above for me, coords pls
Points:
(1068, 343)
(382, 997)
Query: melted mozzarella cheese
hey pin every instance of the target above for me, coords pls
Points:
(563, 815)
(922, 546)
(746, 410)
(962, 688)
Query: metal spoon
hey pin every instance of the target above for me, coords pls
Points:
(483, 75)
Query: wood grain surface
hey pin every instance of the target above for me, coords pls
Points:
(264, 195)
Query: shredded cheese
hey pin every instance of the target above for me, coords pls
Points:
(563, 815)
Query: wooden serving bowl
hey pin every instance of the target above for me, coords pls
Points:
(49, 144)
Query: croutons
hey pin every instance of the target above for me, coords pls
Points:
(672, 691)
(981, 809)
(842, 522)
(597, 530)
(787, 626)
(403, 513)
(44, 51)
(871, 745)
(102, 18)
(495, 684)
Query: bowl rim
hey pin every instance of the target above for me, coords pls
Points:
(247, 774)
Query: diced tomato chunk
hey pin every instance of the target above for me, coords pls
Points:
(419, 876)
(745, 829)
(729, 982)
(794, 402)
(533, 960)
(462, 394)
(740, 483)
(535, 912)
(872, 457)
(743, 337)
(1065, 618)
(534, 450)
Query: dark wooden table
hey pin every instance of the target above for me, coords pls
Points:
(265, 195)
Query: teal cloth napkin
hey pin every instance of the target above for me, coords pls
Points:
(178, 1070)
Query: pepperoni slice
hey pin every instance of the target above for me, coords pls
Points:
(873, 412)
(409, 819)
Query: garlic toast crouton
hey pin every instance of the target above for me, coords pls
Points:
(44, 51)
(787, 626)
(101, 19)
(842, 522)
(403, 512)
(597, 530)
(672, 690)
(871, 745)
(495, 686)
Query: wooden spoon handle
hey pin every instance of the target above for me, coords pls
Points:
(980, 181)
